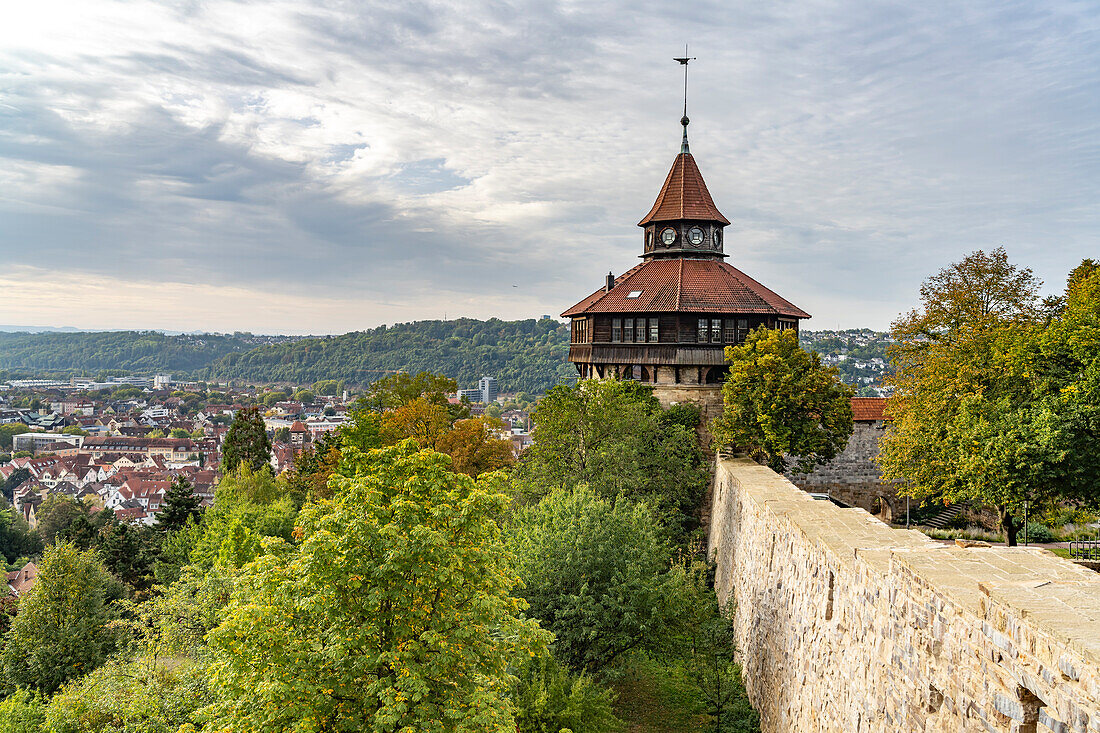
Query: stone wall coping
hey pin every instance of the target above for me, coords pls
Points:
(1060, 599)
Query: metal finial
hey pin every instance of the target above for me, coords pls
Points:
(684, 120)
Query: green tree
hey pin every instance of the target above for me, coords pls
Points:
(17, 477)
(282, 435)
(65, 517)
(596, 573)
(175, 551)
(253, 500)
(404, 576)
(74, 430)
(155, 434)
(179, 433)
(180, 504)
(128, 551)
(961, 425)
(397, 390)
(61, 629)
(328, 387)
(614, 437)
(246, 442)
(17, 539)
(781, 404)
(140, 695)
(1050, 439)
(709, 662)
(304, 395)
(272, 397)
(10, 430)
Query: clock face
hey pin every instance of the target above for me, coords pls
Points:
(717, 238)
(668, 236)
(696, 236)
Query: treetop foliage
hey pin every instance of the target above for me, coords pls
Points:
(404, 575)
(613, 437)
(781, 404)
(61, 629)
(246, 441)
(996, 392)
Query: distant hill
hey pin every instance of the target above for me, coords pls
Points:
(524, 356)
(132, 351)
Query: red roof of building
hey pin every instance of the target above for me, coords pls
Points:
(684, 195)
(868, 408)
(688, 286)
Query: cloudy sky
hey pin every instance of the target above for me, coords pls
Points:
(319, 167)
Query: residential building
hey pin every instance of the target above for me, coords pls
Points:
(489, 389)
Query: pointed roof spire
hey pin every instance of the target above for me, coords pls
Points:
(685, 194)
(684, 120)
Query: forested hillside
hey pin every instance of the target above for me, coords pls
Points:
(524, 356)
(133, 351)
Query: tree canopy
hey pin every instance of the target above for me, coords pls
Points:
(614, 437)
(246, 441)
(61, 629)
(596, 573)
(404, 576)
(994, 389)
(781, 404)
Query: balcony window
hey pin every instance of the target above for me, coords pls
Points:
(616, 330)
(628, 330)
(716, 330)
(742, 329)
(653, 332)
(701, 333)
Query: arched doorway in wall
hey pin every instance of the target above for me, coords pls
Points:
(716, 375)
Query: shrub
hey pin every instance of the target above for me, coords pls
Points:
(22, 712)
(549, 698)
(139, 696)
(1037, 532)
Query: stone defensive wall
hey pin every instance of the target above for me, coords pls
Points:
(844, 624)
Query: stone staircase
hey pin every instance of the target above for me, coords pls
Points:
(945, 517)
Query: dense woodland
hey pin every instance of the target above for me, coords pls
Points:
(30, 354)
(525, 356)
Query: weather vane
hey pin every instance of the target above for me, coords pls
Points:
(684, 120)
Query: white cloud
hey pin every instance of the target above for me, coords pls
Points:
(433, 154)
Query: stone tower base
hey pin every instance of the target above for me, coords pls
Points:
(707, 397)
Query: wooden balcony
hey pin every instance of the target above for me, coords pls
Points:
(679, 354)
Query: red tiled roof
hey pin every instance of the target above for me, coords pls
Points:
(868, 408)
(684, 195)
(686, 286)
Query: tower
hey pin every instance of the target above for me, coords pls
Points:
(667, 321)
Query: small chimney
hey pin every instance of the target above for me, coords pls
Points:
(610, 283)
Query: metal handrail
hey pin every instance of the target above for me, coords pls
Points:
(1084, 549)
